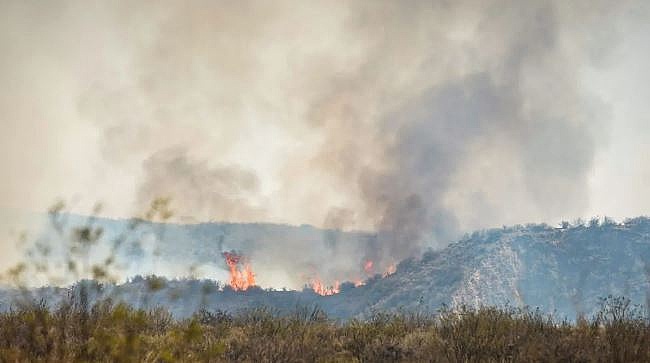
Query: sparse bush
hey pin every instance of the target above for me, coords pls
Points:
(117, 332)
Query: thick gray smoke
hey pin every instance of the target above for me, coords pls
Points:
(199, 192)
(446, 120)
(418, 120)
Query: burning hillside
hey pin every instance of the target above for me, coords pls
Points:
(241, 273)
(242, 276)
(368, 267)
(390, 270)
(321, 289)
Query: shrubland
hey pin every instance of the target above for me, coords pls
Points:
(74, 331)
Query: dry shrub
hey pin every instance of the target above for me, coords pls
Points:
(108, 332)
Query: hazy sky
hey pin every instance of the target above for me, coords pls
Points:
(410, 116)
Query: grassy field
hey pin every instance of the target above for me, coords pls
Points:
(114, 332)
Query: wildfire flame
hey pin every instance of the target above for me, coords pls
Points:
(323, 290)
(240, 278)
(367, 266)
(390, 270)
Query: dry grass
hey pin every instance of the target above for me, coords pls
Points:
(116, 332)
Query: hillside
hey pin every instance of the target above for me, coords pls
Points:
(560, 270)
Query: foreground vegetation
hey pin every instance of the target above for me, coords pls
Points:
(116, 332)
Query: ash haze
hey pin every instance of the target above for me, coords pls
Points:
(420, 119)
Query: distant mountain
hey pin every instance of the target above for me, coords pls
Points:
(560, 270)
(281, 255)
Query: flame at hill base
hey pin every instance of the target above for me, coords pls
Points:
(390, 270)
(241, 274)
(323, 290)
(368, 266)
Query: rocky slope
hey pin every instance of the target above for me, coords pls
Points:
(561, 270)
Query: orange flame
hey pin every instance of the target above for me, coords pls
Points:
(323, 290)
(367, 266)
(239, 279)
(390, 270)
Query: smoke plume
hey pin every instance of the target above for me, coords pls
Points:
(415, 120)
